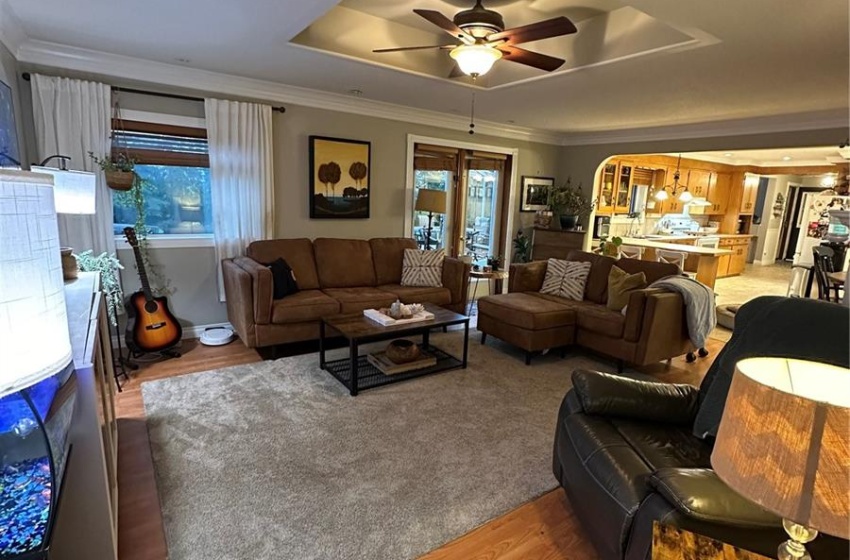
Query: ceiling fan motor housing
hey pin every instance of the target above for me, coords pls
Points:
(479, 21)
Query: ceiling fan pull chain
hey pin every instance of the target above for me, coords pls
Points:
(472, 114)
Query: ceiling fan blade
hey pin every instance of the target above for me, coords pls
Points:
(529, 58)
(456, 72)
(554, 27)
(445, 24)
(398, 49)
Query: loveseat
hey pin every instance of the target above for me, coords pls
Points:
(654, 327)
(626, 452)
(334, 276)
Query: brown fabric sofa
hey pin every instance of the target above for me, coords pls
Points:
(334, 276)
(654, 327)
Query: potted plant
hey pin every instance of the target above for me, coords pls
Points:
(119, 171)
(522, 247)
(495, 262)
(570, 204)
(610, 248)
(108, 266)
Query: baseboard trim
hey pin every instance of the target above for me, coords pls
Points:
(188, 332)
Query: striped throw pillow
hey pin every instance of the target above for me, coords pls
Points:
(566, 279)
(423, 268)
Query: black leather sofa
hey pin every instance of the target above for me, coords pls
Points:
(626, 454)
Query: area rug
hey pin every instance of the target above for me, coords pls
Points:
(275, 460)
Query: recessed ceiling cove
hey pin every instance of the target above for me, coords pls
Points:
(608, 32)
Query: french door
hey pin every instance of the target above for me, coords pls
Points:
(476, 210)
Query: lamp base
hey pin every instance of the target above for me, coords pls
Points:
(795, 547)
(70, 270)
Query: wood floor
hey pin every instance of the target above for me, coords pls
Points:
(544, 529)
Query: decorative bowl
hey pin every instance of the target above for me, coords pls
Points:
(402, 351)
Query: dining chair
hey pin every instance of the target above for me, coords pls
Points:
(823, 258)
(671, 257)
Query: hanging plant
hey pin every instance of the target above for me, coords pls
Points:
(108, 266)
(119, 171)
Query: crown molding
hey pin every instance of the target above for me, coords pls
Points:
(12, 33)
(815, 120)
(62, 57)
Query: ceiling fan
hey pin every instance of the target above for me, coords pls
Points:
(484, 40)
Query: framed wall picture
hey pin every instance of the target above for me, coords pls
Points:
(339, 178)
(9, 154)
(535, 193)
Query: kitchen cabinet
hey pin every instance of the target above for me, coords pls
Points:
(738, 259)
(605, 205)
(748, 197)
(734, 264)
(718, 192)
(723, 265)
(698, 182)
(623, 187)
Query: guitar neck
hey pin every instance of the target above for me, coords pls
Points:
(143, 274)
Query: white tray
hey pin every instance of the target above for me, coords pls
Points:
(387, 321)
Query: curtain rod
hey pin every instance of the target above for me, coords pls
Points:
(26, 76)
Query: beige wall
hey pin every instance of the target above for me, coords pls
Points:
(388, 173)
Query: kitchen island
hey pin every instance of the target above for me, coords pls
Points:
(703, 261)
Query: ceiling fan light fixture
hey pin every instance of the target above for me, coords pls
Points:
(475, 60)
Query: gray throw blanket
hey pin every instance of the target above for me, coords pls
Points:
(699, 305)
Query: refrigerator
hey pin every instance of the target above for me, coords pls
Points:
(813, 222)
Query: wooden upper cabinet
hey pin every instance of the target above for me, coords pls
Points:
(698, 182)
(718, 192)
(748, 197)
(605, 203)
(623, 187)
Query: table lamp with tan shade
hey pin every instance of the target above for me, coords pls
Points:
(433, 202)
(784, 443)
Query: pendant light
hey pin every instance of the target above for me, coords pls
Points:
(684, 196)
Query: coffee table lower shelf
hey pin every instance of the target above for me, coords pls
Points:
(369, 376)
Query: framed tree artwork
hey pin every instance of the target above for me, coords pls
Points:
(339, 178)
(535, 193)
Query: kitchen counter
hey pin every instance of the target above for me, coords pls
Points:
(688, 249)
(704, 261)
(680, 238)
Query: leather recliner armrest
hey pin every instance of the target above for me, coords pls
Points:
(700, 494)
(611, 395)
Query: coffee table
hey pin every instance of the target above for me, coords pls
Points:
(356, 373)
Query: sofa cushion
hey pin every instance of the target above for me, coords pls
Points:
(620, 286)
(423, 268)
(306, 305)
(652, 270)
(388, 254)
(352, 300)
(298, 254)
(599, 319)
(596, 289)
(527, 311)
(565, 279)
(344, 263)
(664, 445)
(415, 294)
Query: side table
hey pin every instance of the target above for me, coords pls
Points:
(495, 277)
(673, 543)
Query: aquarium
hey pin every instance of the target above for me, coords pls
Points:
(34, 449)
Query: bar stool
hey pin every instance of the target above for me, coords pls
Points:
(631, 252)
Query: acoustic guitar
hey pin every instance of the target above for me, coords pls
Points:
(151, 327)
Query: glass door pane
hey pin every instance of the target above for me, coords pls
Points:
(481, 194)
(435, 180)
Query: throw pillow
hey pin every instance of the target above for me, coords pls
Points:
(283, 279)
(423, 268)
(566, 279)
(620, 286)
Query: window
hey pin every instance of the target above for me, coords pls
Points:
(173, 164)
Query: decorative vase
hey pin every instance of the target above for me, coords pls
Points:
(120, 180)
(568, 221)
(70, 270)
(402, 351)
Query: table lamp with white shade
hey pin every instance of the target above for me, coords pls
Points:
(784, 443)
(433, 202)
(74, 193)
(35, 355)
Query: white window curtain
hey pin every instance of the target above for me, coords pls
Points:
(241, 176)
(73, 118)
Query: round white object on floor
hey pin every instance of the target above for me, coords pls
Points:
(217, 336)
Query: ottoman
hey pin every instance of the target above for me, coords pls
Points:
(527, 321)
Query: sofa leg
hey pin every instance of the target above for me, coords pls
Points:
(527, 358)
(483, 337)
